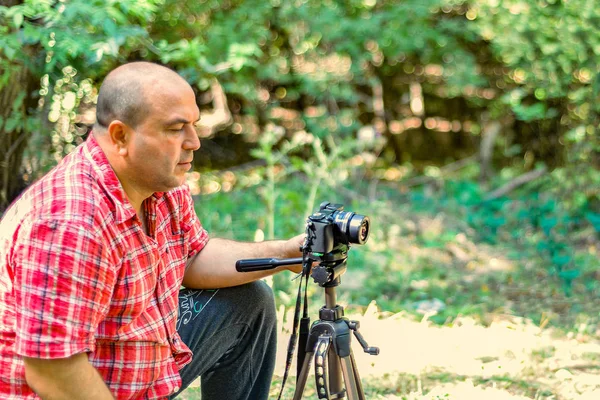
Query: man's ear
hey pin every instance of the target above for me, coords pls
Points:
(120, 136)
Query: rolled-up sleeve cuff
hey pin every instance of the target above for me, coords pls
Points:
(53, 350)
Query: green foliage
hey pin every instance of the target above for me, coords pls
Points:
(323, 62)
(45, 46)
(325, 59)
(552, 48)
(405, 266)
(78, 33)
(551, 52)
(536, 223)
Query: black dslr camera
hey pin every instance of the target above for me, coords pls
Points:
(329, 233)
(331, 228)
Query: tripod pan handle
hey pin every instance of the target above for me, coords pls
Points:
(259, 264)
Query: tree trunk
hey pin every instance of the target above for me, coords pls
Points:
(13, 140)
(489, 134)
(14, 114)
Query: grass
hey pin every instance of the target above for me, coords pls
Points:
(463, 306)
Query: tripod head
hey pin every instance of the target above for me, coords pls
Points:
(329, 233)
(326, 273)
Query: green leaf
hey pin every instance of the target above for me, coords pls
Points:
(570, 274)
(18, 20)
(534, 112)
(594, 219)
(10, 52)
(561, 260)
(18, 102)
(548, 223)
(543, 245)
(11, 124)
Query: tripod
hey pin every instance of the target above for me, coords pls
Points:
(329, 233)
(329, 342)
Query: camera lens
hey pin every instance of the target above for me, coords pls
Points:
(352, 227)
(358, 229)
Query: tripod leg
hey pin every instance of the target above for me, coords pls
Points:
(351, 378)
(336, 384)
(303, 377)
(356, 375)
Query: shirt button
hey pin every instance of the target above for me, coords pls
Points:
(176, 389)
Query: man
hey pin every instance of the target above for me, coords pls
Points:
(92, 258)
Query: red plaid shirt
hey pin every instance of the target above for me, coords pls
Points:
(78, 274)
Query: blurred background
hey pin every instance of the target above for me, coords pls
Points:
(466, 130)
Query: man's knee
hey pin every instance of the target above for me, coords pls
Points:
(263, 292)
(259, 296)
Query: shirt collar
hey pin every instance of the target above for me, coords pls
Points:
(108, 180)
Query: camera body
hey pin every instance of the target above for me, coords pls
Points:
(329, 233)
(332, 229)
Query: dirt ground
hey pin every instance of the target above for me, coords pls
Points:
(511, 359)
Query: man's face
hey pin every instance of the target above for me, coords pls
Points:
(162, 146)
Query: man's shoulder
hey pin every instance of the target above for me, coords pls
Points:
(69, 192)
(176, 196)
(176, 204)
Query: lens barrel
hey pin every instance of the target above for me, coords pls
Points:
(353, 227)
(358, 230)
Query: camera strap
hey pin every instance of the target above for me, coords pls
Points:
(298, 323)
(304, 332)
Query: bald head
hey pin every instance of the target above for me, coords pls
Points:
(127, 91)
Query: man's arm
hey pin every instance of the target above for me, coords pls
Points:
(65, 378)
(214, 266)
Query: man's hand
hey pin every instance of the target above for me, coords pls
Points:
(292, 250)
(65, 378)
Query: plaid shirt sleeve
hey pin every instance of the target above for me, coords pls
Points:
(196, 234)
(63, 285)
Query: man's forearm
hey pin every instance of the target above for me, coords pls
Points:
(214, 266)
(68, 378)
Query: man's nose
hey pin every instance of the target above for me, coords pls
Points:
(192, 141)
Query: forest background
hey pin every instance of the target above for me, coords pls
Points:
(466, 130)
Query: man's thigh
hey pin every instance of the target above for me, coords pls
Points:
(220, 325)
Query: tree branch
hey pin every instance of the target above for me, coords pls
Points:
(219, 116)
(515, 183)
(453, 166)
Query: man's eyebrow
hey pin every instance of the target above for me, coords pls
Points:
(180, 120)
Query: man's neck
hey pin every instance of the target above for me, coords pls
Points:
(142, 216)
(135, 195)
